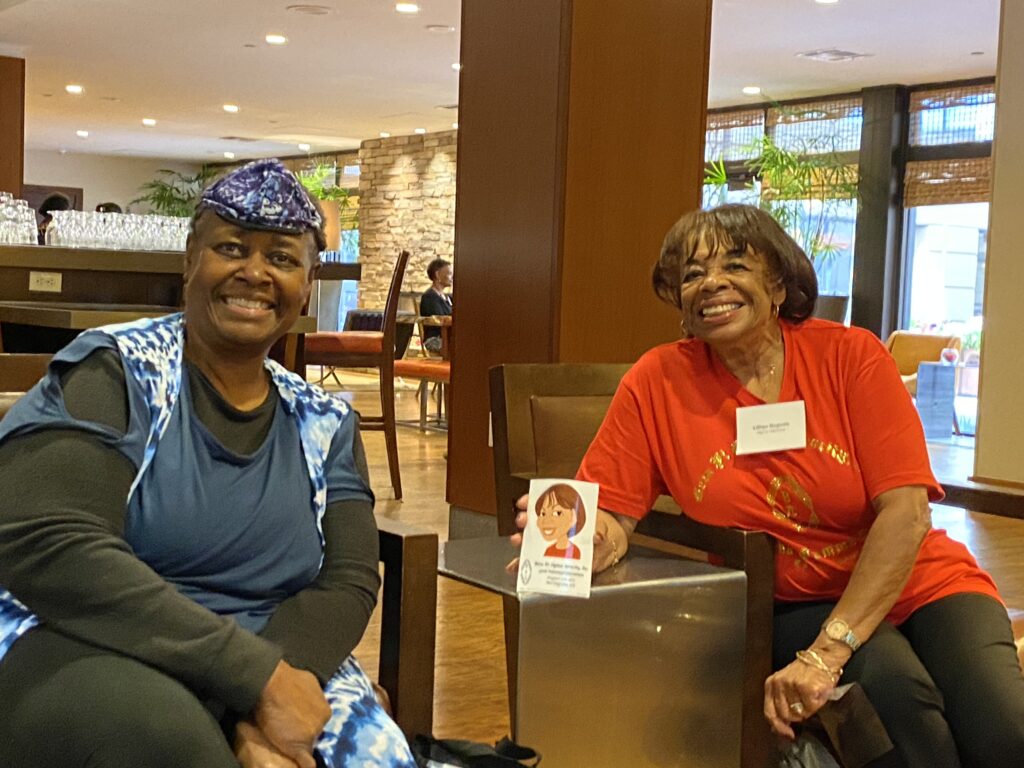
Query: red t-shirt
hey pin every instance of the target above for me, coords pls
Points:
(671, 428)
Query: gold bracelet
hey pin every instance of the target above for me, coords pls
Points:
(812, 659)
(615, 552)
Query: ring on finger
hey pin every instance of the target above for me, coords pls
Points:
(796, 707)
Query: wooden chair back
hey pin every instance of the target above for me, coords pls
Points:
(544, 418)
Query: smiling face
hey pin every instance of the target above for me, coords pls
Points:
(727, 296)
(554, 519)
(244, 288)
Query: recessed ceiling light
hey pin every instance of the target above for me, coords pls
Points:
(751, 90)
(419, 130)
(229, 155)
(74, 89)
(276, 39)
(457, 66)
(455, 126)
(441, 29)
(385, 135)
(304, 147)
(309, 9)
(82, 134)
(407, 8)
(148, 121)
(232, 108)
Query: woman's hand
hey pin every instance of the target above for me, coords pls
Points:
(254, 751)
(610, 538)
(793, 694)
(292, 712)
(517, 538)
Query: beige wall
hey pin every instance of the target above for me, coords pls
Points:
(999, 455)
(103, 178)
(406, 200)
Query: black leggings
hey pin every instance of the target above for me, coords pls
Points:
(99, 709)
(946, 684)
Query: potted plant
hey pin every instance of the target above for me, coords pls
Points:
(803, 189)
(321, 182)
(173, 193)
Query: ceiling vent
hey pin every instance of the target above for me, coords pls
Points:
(309, 10)
(245, 139)
(450, 107)
(832, 55)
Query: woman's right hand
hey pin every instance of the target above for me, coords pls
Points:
(292, 712)
(610, 538)
(517, 538)
(254, 751)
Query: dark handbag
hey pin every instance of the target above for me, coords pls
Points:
(457, 753)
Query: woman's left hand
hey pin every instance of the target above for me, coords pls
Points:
(253, 750)
(793, 694)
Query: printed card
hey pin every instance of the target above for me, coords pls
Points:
(558, 542)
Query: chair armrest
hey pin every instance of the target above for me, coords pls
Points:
(408, 621)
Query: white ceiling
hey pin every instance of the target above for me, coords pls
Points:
(363, 68)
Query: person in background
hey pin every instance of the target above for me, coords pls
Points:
(55, 202)
(435, 301)
(108, 208)
(188, 552)
(865, 589)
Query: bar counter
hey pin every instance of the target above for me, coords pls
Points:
(48, 293)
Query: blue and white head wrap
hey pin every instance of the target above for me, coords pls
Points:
(264, 195)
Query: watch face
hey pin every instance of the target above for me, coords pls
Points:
(837, 629)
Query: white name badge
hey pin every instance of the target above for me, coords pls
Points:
(773, 427)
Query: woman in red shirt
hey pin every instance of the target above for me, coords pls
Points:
(866, 590)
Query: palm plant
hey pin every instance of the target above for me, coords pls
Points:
(173, 193)
(802, 188)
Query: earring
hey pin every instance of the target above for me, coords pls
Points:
(682, 329)
(775, 311)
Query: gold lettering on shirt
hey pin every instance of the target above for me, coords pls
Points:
(717, 461)
(830, 449)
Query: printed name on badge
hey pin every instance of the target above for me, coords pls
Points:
(772, 427)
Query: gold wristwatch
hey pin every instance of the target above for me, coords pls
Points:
(840, 631)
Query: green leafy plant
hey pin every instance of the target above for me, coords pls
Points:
(971, 340)
(802, 188)
(320, 182)
(173, 193)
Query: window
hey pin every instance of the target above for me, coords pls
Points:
(955, 115)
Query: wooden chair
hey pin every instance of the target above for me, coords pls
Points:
(19, 372)
(544, 418)
(408, 617)
(430, 370)
(370, 349)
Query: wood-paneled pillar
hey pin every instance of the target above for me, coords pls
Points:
(581, 136)
(12, 124)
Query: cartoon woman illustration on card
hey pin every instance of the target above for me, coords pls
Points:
(560, 516)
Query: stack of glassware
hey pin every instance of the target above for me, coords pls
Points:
(132, 231)
(17, 221)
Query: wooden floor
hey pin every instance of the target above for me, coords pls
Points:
(470, 699)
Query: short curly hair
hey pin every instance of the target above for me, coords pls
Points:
(738, 227)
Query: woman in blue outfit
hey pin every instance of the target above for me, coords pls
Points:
(188, 553)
